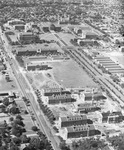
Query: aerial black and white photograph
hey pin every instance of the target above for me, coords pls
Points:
(61, 75)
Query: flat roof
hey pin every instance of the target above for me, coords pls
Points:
(109, 64)
(112, 68)
(105, 62)
(59, 97)
(49, 90)
(101, 57)
(116, 71)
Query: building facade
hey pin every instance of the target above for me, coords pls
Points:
(87, 108)
(27, 37)
(112, 117)
(74, 121)
(54, 91)
(81, 131)
(58, 99)
(33, 67)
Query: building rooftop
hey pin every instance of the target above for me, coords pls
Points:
(49, 90)
(80, 128)
(93, 94)
(86, 105)
(106, 114)
(62, 96)
(42, 47)
(73, 118)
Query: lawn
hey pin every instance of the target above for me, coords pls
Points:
(7, 86)
(13, 38)
(70, 75)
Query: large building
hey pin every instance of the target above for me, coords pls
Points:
(54, 91)
(112, 117)
(58, 99)
(80, 131)
(83, 42)
(19, 27)
(16, 22)
(93, 96)
(36, 50)
(27, 37)
(74, 121)
(87, 108)
(36, 67)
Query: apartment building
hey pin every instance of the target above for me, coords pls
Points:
(112, 117)
(80, 131)
(74, 121)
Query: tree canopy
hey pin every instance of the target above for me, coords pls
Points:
(117, 141)
(89, 144)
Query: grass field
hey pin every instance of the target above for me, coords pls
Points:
(13, 38)
(66, 74)
(7, 86)
(70, 75)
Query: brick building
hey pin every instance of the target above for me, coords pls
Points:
(35, 51)
(33, 67)
(87, 107)
(19, 27)
(81, 131)
(112, 117)
(93, 96)
(16, 22)
(54, 91)
(27, 37)
(74, 121)
(58, 99)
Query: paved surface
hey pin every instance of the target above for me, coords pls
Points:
(115, 90)
(24, 86)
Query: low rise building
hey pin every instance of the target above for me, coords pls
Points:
(33, 67)
(88, 107)
(74, 121)
(54, 91)
(58, 99)
(83, 42)
(93, 96)
(80, 131)
(19, 27)
(16, 22)
(27, 37)
(45, 51)
(112, 117)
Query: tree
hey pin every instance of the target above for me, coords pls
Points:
(63, 146)
(88, 144)
(19, 122)
(14, 147)
(34, 128)
(25, 139)
(6, 101)
(36, 143)
(14, 110)
(3, 148)
(117, 141)
(17, 140)
(19, 117)
(11, 119)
